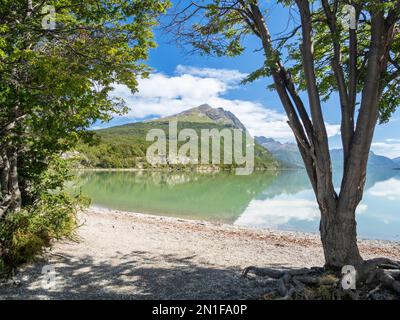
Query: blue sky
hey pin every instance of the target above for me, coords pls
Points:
(181, 81)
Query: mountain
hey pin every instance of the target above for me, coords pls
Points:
(125, 146)
(374, 162)
(397, 161)
(289, 154)
(207, 114)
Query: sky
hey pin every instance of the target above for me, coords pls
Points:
(181, 81)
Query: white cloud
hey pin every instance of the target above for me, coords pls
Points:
(275, 212)
(389, 148)
(392, 140)
(389, 189)
(225, 75)
(281, 210)
(162, 95)
(362, 208)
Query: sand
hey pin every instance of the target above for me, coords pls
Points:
(120, 255)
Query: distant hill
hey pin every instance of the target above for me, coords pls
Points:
(125, 146)
(397, 161)
(374, 162)
(289, 154)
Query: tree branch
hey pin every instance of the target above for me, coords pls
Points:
(323, 160)
(347, 100)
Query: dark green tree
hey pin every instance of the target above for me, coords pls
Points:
(56, 74)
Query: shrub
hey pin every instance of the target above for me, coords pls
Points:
(26, 234)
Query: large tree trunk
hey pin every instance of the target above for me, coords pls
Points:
(338, 223)
(5, 198)
(338, 227)
(339, 239)
(10, 198)
(16, 200)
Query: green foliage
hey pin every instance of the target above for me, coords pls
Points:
(220, 35)
(54, 84)
(25, 234)
(323, 52)
(126, 146)
(52, 179)
(224, 26)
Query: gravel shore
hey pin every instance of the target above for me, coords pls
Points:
(122, 255)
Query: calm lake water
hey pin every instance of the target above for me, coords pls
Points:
(282, 201)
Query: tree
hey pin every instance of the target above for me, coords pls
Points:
(55, 80)
(320, 55)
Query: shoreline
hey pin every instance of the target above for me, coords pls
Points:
(256, 170)
(126, 255)
(291, 236)
(223, 225)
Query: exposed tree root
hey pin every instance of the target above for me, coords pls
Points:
(377, 279)
(384, 272)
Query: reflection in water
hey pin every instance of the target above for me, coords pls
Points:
(389, 189)
(285, 211)
(262, 200)
(280, 212)
(219, 197)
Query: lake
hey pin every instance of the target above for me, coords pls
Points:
(283, 200)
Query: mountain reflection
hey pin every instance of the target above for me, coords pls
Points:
(281, 200)
(289, 203)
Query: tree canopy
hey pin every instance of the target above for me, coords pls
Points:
(59, 60)
(217, 27)
(55, 82)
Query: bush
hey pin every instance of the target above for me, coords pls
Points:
(26, 234)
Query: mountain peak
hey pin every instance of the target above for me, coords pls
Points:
(207, 114)
(203, 107)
